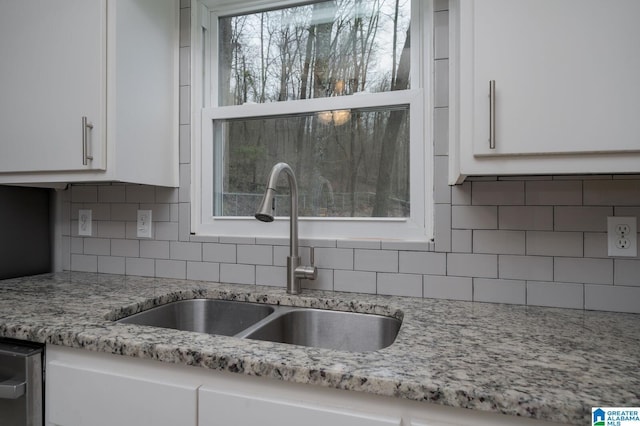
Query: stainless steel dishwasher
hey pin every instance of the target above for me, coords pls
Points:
(21, 383)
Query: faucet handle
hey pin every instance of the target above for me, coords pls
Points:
(312, 256)
(308, 272)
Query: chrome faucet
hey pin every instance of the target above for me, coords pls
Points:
(295, 271)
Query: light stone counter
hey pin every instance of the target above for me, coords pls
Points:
(549, 364)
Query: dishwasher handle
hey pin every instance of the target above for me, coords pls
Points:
(12, 389)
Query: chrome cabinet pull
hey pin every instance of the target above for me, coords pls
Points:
(492, 114)
(86, 128)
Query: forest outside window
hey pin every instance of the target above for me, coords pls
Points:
(336, 90)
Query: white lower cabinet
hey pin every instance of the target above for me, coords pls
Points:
(94, 389)
(218, 407)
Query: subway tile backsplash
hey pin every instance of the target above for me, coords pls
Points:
(520, 240)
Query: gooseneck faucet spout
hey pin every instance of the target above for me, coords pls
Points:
(265, 213)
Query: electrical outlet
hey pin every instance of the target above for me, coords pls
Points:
(144, 224)
(84, 222)
(622, 236)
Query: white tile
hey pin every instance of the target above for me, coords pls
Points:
(171, 268)
(140, 267)
(376, 260)
(554, 193)
(499, 291)
(583, 270)
(166, 231)
(446, 287)
(472, 265)
(255, 255)
(100, 246)
(140, 194)
(400, 284)
(154, 249)
(537, 268)
(84, 193)
(527, 218)
(408, 245)
(109, 229)
(354, 281)
(474, 217)
(280, 254)
(592, 219)
(126, 248)
(626, 272)
(111, 194)
(611, 192)
(612, 298)
(99, 211)
(166, 195)
(329, 258)
(499, 242)
(442, 190)
(441, 34)
(76, 245)
(461, 194)
(185, 27)
(237, 240)
(203, 271)
(185, 144)
(124, 211)
(441, 77)
(324, 281)
(160, 212)
(84, 263)
(111, 265)
(442, 232)
(461, 240)
(185, 107)
(221, 253)
(185, 251)
(184, 193)
(441, 131)
(595, 244)
(275, 276)
(184, 224)
(557, 295)
(185, 66)
(555, 243)
(238, 274)
(422, 263)
(497, 193)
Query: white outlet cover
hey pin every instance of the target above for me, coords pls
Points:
(84, 222)
(144, 223)
(614, 235)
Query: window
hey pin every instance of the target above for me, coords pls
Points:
(334, 88)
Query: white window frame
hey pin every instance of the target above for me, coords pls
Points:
(417, 227)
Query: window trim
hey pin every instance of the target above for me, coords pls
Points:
(417, 227)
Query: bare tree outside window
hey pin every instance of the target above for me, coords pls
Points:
(349, 162)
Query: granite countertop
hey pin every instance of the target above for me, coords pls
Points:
(544, 363)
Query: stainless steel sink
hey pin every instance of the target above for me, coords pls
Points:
(348, 331)
(212, 316)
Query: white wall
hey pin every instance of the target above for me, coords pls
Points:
(519, 240)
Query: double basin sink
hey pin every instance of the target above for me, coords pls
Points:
(348, 331)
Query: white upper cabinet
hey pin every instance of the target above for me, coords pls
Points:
(566, 95)
(89, 91)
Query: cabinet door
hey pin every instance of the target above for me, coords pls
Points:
(219, 408)
(566, 75)
(92, 396)
(52, 74)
